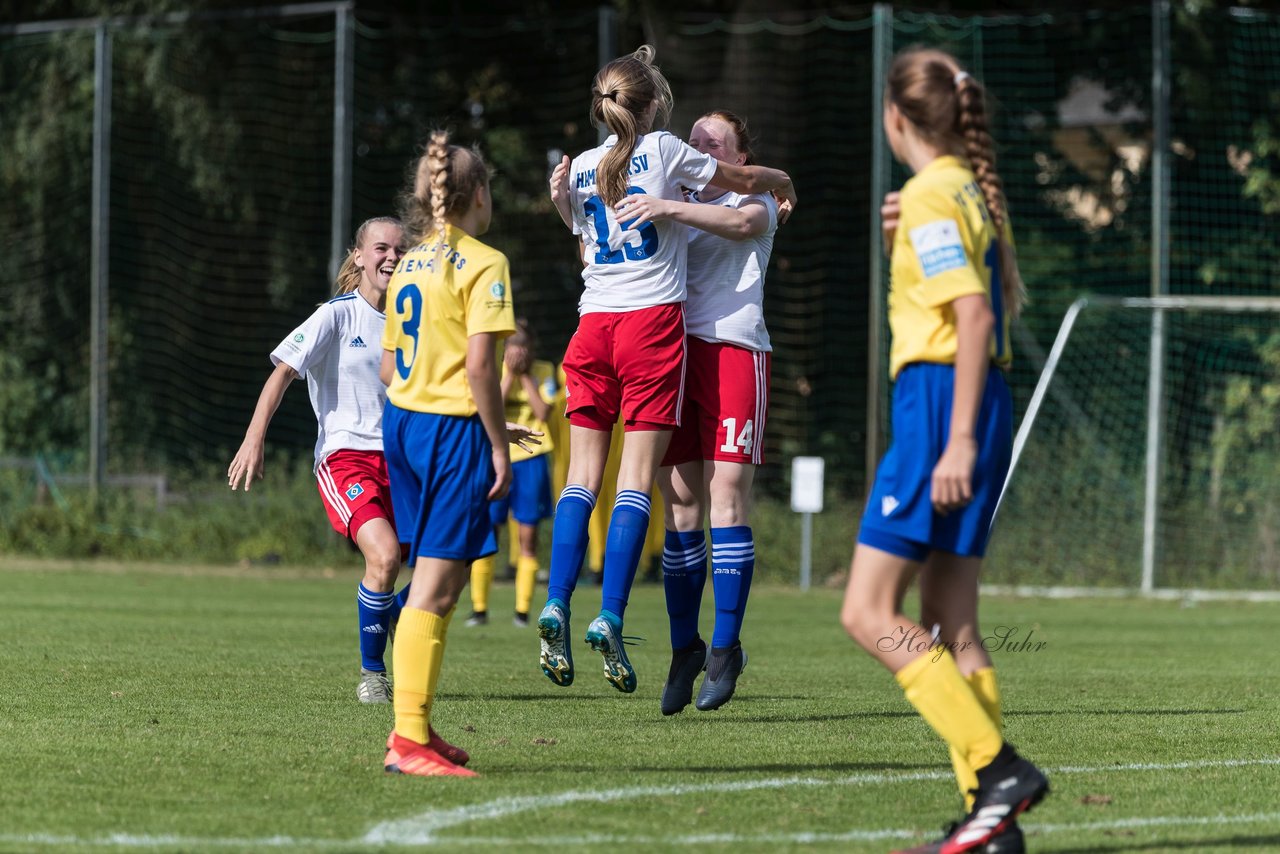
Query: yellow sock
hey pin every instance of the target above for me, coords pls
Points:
(513, 541)
(481, 579)
(983, 683)
(526, 573)
(437, 653)
(597, 533)
(418, 651)
(933, 685)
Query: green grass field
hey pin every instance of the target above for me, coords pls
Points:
(213, 709)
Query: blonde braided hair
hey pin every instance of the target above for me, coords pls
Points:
(445, 179)
(979, 147)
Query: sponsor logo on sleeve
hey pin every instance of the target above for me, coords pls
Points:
(498, 290)
(938, 246)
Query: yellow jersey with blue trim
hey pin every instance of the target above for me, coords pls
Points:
(444, 290)
(945, 248)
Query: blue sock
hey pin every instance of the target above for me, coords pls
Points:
(569, 541)
(684, 574)
(397, 604)
(374, 610)
(628, 528)
(733, 560)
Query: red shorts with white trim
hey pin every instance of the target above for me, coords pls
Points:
(355, 488)
(726, 404)
(628, 363)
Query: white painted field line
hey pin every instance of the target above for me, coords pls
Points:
(135, 840)
(811, 837)
(423, 829)
(801, 838)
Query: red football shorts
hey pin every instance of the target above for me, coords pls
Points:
(355, 488)
(629, 363)
(726, 403)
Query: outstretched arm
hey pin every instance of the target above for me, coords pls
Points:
(758, 179)
(248, 460)
(750, 220)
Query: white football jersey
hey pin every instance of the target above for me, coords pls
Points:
(726, 281)
(338, 349)
(629, 269)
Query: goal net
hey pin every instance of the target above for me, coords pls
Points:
(1149, 454)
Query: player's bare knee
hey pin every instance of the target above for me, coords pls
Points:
(728, 514)
(383, 567)
(684, 516)
(859, 622)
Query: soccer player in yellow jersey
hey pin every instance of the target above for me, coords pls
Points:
(448, 307)
(954, 286)
(528, 387)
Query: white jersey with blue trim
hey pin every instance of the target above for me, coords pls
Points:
(338, 349)
(628, 269)
(726, 280)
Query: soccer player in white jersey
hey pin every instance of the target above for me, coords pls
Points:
(338, 349)
(710, 465)
(627, 357)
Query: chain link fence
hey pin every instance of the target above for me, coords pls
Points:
(216, 161)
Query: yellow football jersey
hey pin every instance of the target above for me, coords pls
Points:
(945, 248)
(521, 412)
(440, 296)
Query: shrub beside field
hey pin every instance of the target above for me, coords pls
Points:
(280, 520)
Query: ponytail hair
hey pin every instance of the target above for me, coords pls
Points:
(947, 106)
(445, 179)
(349, 274)
(621, 93)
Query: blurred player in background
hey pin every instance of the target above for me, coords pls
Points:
(954, 286)
(448, 308)
(337, 349)
(710, 465)
(627, 357)
(528, 387)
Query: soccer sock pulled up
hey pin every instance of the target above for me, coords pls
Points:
(481, 581)
(526, 577)
(941, 695)
(684, 574)
(628, 528)
(733, 562)
(569, 540)
(417, 657)
(983, 683)
(437, 660)
(374, 612)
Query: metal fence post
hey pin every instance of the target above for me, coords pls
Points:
(99, 248)
(1159, 286)
(344, 72)
(881, 49)
(607, 49)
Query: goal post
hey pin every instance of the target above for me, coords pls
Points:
(1149, 453)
